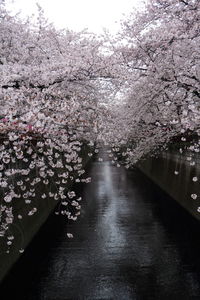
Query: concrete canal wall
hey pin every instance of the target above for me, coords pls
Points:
(173, 172)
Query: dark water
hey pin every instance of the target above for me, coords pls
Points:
(131, 242)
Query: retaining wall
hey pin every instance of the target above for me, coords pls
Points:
(174, 173)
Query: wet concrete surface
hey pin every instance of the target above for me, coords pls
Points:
(132, 241)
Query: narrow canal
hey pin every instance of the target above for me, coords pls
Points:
(131, 242)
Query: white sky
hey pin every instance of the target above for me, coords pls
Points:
(80, 14)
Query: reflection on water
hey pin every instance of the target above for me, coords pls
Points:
(112, 235)
(131, 242)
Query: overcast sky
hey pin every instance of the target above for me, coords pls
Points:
(80, 14)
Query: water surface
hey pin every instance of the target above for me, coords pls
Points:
(132, 241)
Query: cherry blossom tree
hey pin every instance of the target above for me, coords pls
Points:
(159, 54)
(49, 103)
